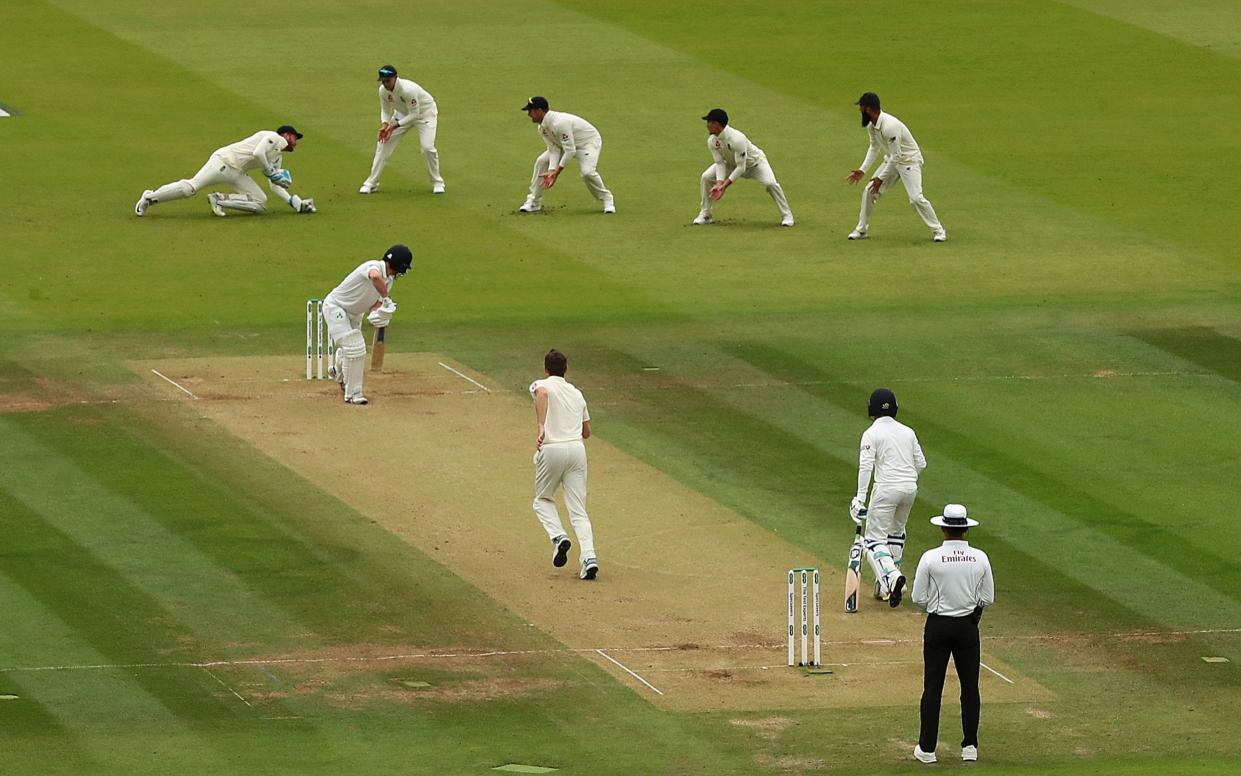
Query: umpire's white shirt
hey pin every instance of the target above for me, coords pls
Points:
(891, 451)
(356, 294)
(406, 102)
(953, 579)
(732, 149)
(566, 410)
(564, 133)
(890, 136)
(260, 151)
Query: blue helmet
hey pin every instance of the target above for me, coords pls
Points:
(882, 404)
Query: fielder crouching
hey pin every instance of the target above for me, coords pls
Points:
(364, 291)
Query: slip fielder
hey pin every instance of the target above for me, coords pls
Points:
(404, 104)
(735, 157)
(567, 137)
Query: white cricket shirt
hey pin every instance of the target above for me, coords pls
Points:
(890, 449)
(407, 102)
(565, 133)
(566, 410)
(260, 151)
(356, 294)
(732, 149)
(953, 579)
(889, 135)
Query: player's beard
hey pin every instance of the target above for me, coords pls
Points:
(865, 120)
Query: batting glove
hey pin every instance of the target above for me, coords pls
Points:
(281, 178)
(857, 510)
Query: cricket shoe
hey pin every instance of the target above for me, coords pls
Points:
(940, 236)
(609, 205)
(858, 234)
(531, 207)
(368, 188)
(590, 569)
(787, 221)
(144, 202)
(969, 754)
(923, 757)
(359, 400)
(437, 188)
(703, 218)
(561, 555)
(898, 589)
(214, 200)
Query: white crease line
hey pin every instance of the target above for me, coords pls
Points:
(626, 670)
(226, 687)
(467, 377)
(997, 673)
(175, 383)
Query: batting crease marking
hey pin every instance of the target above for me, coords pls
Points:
(174, 383)
(226, 687)
(467, 377)
(997, 673)
(624, 668)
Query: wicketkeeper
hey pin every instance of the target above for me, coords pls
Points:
(364, 291)
(230, 166)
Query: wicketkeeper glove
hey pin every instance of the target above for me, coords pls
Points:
(857, 510)
(281, 178)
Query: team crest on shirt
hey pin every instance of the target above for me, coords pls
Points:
(564, 136)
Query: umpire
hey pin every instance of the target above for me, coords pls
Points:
(953, 584)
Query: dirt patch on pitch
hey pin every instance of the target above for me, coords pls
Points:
(689, 607)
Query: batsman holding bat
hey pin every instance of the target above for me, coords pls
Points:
(891, 454)
(853, 575)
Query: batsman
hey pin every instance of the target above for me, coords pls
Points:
(364, 291)
(890, 454)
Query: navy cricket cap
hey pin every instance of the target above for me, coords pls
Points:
(868, 100)
(717, 114)
(287, 129)
(387, 71)
(536, 102)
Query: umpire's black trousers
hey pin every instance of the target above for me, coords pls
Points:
(944, 636)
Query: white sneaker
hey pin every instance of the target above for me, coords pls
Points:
(561, 555)
(857, 234)
(531, 207)
(368, 188)
(923, 757)
(703, 218)
(590, 569)
(307, 206)
(896, 588)
(609, 206)
(940, 236)
(787, 222)
(969, 754)
(437, 188)
(140, 209)
(356, 400)
(214, 199)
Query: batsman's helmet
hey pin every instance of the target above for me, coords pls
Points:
(882, 404)
(400, 257)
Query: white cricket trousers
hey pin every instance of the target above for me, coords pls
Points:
(557, 464)
(426, 139)
(761, 172)
(886, 518)
(248, 197)
(911, 176)
(345, 331)
(587, 160)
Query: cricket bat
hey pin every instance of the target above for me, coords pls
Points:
(853, 575)
(377, 349)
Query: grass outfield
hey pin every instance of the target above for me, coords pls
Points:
(176, 601)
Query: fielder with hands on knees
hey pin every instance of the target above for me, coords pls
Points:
(953, 585)
(230, 165)
(364, 291)
(560, 460)
(889, 452)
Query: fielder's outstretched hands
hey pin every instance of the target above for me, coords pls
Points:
(855, 176)
(549, 178)
(857, 510)
(385, 132)
(718, 190)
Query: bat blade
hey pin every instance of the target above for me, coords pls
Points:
(853, 575)
(377, 349)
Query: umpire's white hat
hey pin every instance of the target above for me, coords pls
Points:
(954, 517)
